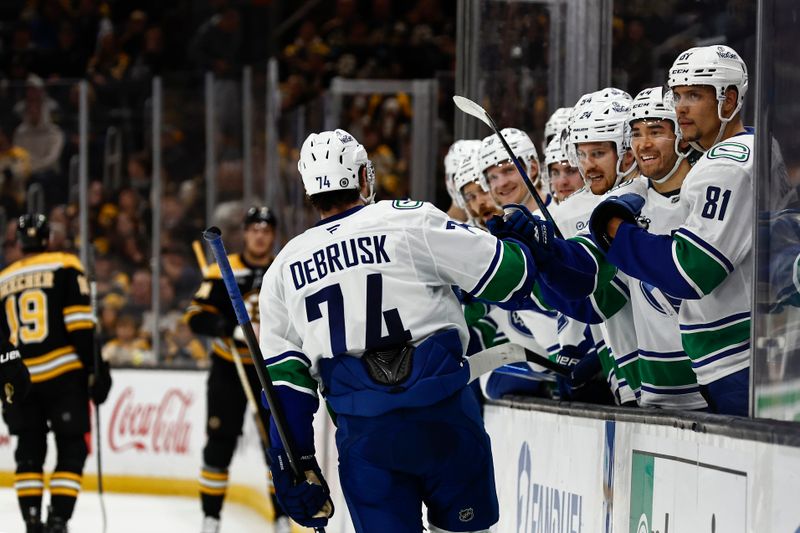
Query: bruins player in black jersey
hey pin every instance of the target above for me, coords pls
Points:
(211, 314)
(48, 317)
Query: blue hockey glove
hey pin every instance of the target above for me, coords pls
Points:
(518, 223)
(308, 503)
(628, 207)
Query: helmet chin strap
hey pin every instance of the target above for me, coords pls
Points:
(370, 177)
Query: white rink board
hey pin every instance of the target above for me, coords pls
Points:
(663, 479)
(153, 425)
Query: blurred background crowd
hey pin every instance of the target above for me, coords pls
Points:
(47, 46)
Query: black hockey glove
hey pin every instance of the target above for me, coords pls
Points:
(518, 223)
(15, 380)
(308, 503)
(100, 383)
(628, 207)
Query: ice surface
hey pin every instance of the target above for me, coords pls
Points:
(128, 513)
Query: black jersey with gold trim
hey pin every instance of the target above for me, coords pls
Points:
(48, 316)
(211, 313)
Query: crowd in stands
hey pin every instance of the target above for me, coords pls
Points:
(46, 46)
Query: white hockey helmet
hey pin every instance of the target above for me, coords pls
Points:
(717, 66)
(469, 172)
(493, 153)
(554, 154)
(555, 125)
(458, 150)
(332, 161)
(601, 118)
(649, 104)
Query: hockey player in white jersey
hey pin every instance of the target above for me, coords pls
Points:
(535, 331)
(707, 262)
(665, 371)
(360, 307)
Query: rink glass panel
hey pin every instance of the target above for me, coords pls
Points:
(776, 339)
(648, 36)
(516, 72)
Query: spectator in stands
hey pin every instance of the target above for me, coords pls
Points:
(45, 24)
(182, 275)
(67, 60)
(183, 348)
(42, 139)
(15, 168)
(150, 60)
(22, 55)
(109, 64)
(127, 348)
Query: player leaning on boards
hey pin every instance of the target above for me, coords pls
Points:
(707, 262)
(211, 313)
(667, 378)
(361, 307)
(596, 144)
(48, 316)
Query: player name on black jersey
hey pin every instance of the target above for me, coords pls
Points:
(339, 256)
(32, 280)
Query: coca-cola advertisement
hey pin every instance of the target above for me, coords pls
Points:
(160, 427)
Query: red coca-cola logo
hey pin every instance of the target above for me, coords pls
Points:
(159, 427)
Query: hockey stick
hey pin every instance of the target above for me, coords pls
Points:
(506, 354)
(213, 236)
(200, 256)
(471, 108)
(97, 362)
(239, 364)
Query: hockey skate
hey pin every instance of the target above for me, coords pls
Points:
(210, 525)
(56, 524)
(283, 525)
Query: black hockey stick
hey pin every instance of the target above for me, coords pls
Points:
(97, 365)
(252, 403)
(471, 108)
(213, 236)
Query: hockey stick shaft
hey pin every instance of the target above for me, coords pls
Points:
(213, 236)
(238, 363)
(251, 398)
(97, 365)
(471, 108)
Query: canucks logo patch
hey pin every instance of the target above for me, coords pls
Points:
(518, 324)
(406, 204)
(730, 150)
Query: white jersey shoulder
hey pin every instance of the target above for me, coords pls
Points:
(396, 261)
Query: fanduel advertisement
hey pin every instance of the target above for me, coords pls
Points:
(543, 509)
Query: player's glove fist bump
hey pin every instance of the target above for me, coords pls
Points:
(15, 380)
(308, 502)
(627, 207)
(519, 224)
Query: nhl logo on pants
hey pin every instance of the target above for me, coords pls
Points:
(465, 515)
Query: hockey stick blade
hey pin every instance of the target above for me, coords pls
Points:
(471, 108)
(505, 354)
